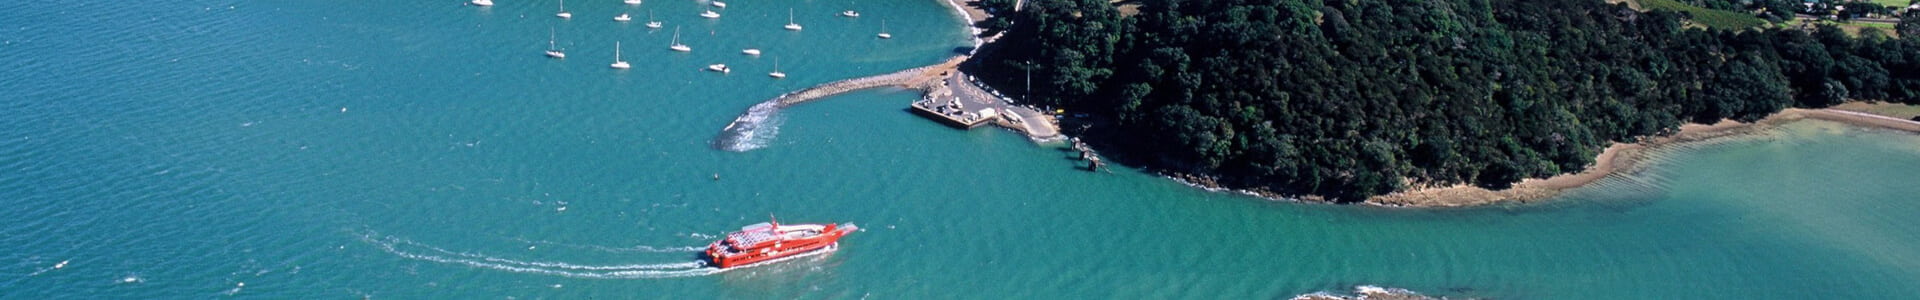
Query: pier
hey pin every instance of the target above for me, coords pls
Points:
(909, 78)
(940, 82)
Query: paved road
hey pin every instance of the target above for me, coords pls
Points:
(1035, 123)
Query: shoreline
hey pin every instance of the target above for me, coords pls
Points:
(968, 14)
(1625, 158)
(1619, 158)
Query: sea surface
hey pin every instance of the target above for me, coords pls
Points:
(426, 149)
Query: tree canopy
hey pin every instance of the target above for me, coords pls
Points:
(1354, 98)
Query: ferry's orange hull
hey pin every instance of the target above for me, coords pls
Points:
(757, 245)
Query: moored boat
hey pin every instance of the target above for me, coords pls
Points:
(771, 241)
(617, 64)
(790, 24)
(677, 46)
(776, 70)
(553, 47)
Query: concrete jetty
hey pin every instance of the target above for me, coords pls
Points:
(909, 78)
(750, 131)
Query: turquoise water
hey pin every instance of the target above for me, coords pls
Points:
(309, 149)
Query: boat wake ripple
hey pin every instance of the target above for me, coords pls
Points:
(753, 129)
(630, 249)
(415, 250)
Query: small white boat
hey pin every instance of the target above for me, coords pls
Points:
(482, 2)
(710, 14)
(617, 63)
(719, 4)
(622, 18)
(631, 2)
(776, 69)
(750, 51)
(722, 68)
(790, 24)
(883, 30)
(563, 11)
(676, 46)
(850, 14)
(553, 49)
(651, 23)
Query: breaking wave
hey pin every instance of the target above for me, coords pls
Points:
(753, 129)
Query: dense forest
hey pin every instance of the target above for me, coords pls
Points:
(1355, 98)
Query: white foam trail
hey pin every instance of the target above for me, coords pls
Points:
(753, 129)
(636, 248)
(396, 244)
(401, 248)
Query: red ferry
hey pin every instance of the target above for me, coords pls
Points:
(771, 241)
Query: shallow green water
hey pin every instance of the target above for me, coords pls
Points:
(316, 149)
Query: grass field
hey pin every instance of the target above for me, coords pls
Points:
(1893, 3)
(1853, 28)
(1874, 25)
(1711, 18)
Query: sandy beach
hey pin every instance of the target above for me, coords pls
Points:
(1623, 157)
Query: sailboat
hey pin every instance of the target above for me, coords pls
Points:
(883, 30)
(651, 23)
(617, 63)
(676, 46)
(563, 11)
(553, 49)
(623, 17)
(482, 2)
(776, 69)
(790, 24)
